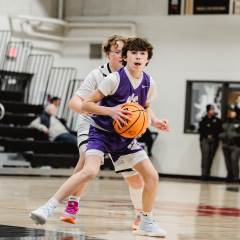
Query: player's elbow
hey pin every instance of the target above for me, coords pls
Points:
(84, 107)
(75, 104)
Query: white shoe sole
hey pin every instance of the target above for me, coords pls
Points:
(150, 234)
(38, 219)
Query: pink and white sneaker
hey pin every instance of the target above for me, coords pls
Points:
(136, 222)
(70, 211)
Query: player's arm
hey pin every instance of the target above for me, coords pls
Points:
(148, 110)
(89, 85)
(75, 104)
(90, 106)
(37, 124)
(105, 88)
(160, 124)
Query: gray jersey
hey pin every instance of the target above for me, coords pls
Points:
(90, 84)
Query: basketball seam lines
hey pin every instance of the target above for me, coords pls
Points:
(131, 111)
(138, 110)
(132, 123)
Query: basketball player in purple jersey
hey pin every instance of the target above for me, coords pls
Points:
(130, 83)
(112, 49)
(124, 151)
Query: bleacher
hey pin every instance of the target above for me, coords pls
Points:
(25, 81)
(17, 137)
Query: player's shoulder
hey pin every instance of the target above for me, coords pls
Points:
(113, 76)
(104, 69)
(95, 72)
(95, 75)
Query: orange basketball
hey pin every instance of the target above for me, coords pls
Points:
(136, 125)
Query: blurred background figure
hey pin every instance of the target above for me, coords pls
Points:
(237, 107)
(231, 144)
(235, 162)
(48, 123)
(209, 129)
(54, 102)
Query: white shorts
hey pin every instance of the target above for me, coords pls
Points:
(125, 163)
(82, 136)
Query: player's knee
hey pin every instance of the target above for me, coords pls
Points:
(135, 181)
(79, 165)
(156, 176)
(152, 178)
(90, 173)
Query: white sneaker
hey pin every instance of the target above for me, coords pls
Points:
(149, 227)
(40, 215)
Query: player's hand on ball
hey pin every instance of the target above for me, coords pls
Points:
(120, 115)
(162, 124)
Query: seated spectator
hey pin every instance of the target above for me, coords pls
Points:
(53, 127)
(54, 102)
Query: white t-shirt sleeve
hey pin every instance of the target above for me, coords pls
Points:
(90, 83)
(151, 92)
(110, 84)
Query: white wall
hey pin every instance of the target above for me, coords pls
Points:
(197, 47)
(43, 8)
(78, 8)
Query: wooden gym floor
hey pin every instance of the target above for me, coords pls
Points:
(188, 210)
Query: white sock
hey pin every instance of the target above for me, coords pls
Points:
(136, 197)
(52, 203)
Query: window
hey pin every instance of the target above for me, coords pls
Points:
(221, 94)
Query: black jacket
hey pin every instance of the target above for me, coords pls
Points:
(210, 127)
(231, 132)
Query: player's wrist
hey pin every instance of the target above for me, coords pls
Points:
(108, 111)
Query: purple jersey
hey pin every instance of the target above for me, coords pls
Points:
(124, 93)
(109, 141)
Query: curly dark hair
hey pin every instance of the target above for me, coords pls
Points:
(137, 44)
